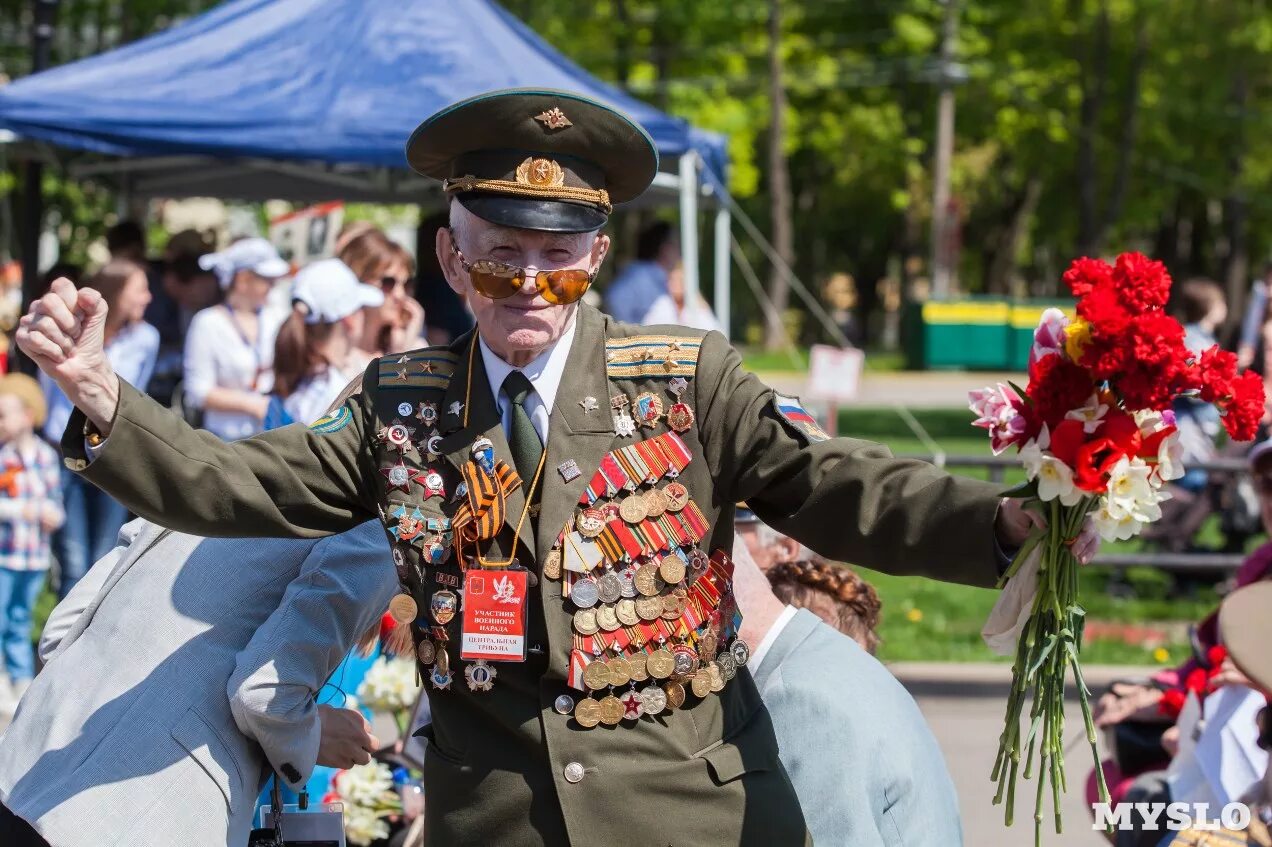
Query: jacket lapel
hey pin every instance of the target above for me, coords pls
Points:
(573, 432)
(477, 416)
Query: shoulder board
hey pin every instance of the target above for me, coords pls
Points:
(428, 368)
(643, 356)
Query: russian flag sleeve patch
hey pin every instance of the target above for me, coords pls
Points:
(797, 417)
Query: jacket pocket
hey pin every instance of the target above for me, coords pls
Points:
(751, 748)
(214, 755)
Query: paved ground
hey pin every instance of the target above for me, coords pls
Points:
(964, 705)
(914, 389)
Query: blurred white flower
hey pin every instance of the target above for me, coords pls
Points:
(1170, 459)
(1091, 414)
(366, 785)
(1031, 454)
(1130, 493)
(363, 825)
(389, 685)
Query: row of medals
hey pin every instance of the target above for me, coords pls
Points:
(655, 590)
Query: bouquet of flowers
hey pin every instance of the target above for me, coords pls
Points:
(391, 686)
(369, 797)
(1096, 434)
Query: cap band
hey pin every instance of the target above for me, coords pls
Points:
(592, 197)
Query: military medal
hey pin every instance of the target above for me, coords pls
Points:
(609, 588)
(597, 674)
(397, 435)
(408, 526)
(437, 547)
(619, 402)
(660, 663)
(611, 710)
(677, 385)
(625, 610)
(655, 503)
(653, 699)
(587, 713)
(589, 404)
(563, 705)
(639, 670)
(427, 651)
(708, 644)
(552, 564)
(441, 679)
(624, 424)
(670, 607)
(717, 675)
(569, 470)
(402, 609)
(680, 417)
(728, 665)
(590, 522)
(646, 579)
(483, 453)
(434, 486)
(480, 676)
(434, 445)
(684, 661)
(648, 408)
(607, 618)
(672, 569)
(675, 694)
(443, 606)
(585, 593)
(677, 496)
(741, 652)
(701, 683)
(400, 476)
(455, 408)
(632, 509)
(627, 577)
(427, 414)
(620, 671)
(649, 608)
(585, 622)
(633, 706)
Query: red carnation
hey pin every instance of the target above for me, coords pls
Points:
(1086, 274)
(1215, 656)
(1058, 387)
(1142, 283)
(1104, 310)
(1215, 372)
(1172, 703)
(1245, 408)
(1066, 438)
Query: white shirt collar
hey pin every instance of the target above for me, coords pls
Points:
(757, 655)
(544, 372)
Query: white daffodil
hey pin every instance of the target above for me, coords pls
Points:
(363, 825)
(1130, 491)
(1091, 414)
(1170, 459)
(1113, 527)
(389, 685)
(365, 785)
(1055, 479)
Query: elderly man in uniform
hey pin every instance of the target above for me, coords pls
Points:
(557, 489)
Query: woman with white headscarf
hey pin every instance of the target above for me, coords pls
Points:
(229, 351)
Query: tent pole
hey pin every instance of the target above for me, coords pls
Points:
(33, 177)
(689, 223)
(722, 266)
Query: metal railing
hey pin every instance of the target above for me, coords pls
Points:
(997, 467)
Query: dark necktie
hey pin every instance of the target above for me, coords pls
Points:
(523, 438)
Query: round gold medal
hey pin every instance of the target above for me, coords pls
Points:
(660, 663)
(648, 608)
(708, 644)
(441, 662)
(670, 607)
(607, 618)
(587, 713)
(701, 683)
(672, 569)
(596, 675)
(626, 612)
(427, 651)
(585, 622)
(677, 496)
(620, 671)
(637, 664)
(717, 677)
(655, 503)
(646, 579)
(612, 710)
(403, 609)
(675, 694)
(552, 565)
(632, 509)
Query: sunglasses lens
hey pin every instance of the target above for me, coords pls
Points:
(565, 286)
(496, 285)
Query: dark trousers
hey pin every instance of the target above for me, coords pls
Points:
(15, 832)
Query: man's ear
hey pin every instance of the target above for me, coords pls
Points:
(789, 547)
(600, 249)
(449, 262)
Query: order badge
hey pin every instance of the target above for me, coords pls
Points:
(494, 626)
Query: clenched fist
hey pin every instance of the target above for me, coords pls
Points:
(64, 333)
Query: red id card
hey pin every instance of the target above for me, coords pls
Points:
(495, 607)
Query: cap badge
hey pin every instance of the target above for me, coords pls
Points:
(554, 118)
(542, 173)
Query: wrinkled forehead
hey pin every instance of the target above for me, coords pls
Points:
(483, 234)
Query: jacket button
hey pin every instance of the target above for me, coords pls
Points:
(573, 772)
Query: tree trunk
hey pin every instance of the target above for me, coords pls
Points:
(1003, 265)
(1126, 143)
(779, 182)
(1094, 71)
(1236, 208)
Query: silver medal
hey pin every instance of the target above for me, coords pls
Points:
(741, 652)
(585, 594)
(610, 588)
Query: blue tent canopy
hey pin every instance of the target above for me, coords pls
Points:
(339, 82)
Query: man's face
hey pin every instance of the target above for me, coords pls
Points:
(768, 547)
(524, 323)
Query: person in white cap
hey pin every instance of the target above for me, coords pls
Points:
(315, 355)
(229, 352)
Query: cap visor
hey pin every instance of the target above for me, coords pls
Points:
(529, 213)
(369, 296)
(272, 268)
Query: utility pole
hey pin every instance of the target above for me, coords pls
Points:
(948, 74)
(33, 172)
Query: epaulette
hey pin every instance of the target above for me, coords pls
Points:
(428, 368)
(642, 356)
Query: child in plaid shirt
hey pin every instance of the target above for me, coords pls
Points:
(30, 510)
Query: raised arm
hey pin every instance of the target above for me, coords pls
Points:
(290, 481)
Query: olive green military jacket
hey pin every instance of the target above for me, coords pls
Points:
(706, 773)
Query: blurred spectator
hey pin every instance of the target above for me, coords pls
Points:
(396, 325)
(314, 355)
(126, 240)
(1202, 310)
(643, 281)
(671, 308)
(185, 288)
(30, 509)
(445, 313)
(93, 517)
(1248, 343)
(229, 350)
(59, 270)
